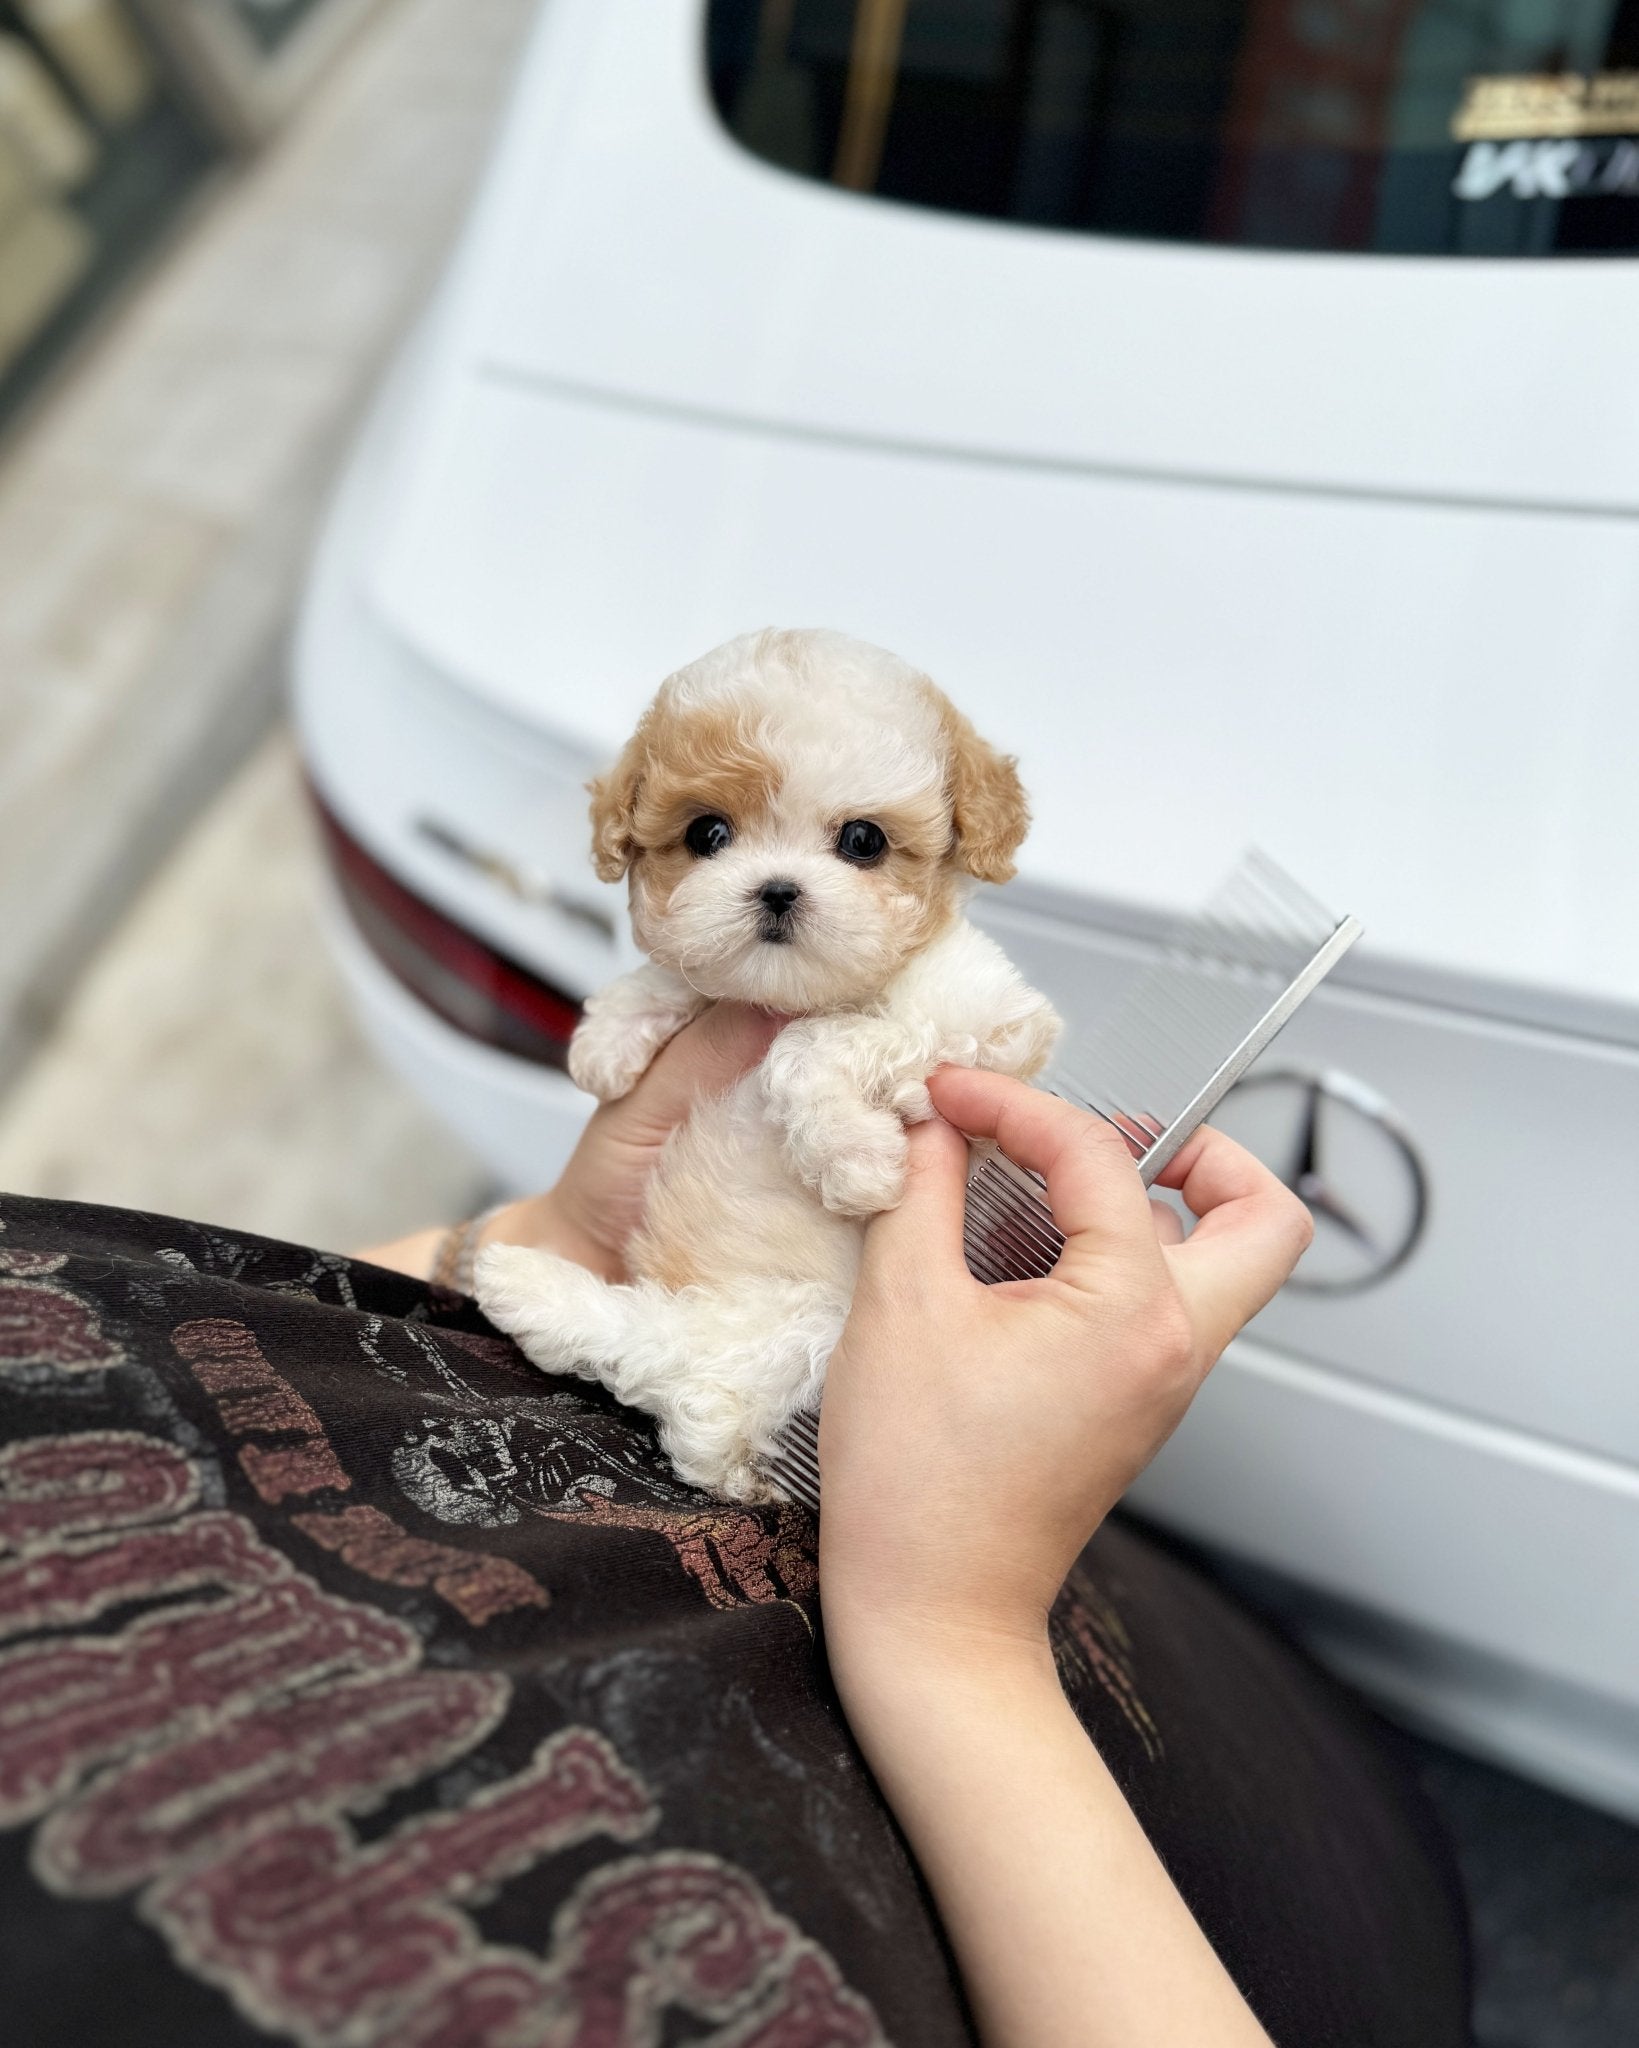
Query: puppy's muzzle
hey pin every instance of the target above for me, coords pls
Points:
(778, 904)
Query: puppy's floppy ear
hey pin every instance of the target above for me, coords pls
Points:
(614, 806)
(990, 813)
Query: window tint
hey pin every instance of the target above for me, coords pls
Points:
(1466, 127)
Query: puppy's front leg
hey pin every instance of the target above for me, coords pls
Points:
(963, 1003)
(842, 1088)
(832, 1085)
(625, 1025)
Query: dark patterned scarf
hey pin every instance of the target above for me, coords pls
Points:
(359, 1685)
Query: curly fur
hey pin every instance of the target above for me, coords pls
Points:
(745, 1264)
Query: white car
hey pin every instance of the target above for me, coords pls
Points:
(1233, 408)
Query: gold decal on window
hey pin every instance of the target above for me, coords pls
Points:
(1548, 103)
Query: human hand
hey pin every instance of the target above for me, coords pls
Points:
(972, 1438)
(589, 1216)
(597, 1203)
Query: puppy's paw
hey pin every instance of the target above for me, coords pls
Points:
(715, 1454)
(609, 1055)
(912, 1102)
(738, 1479)
(624, 1025)
(537, 1298)
(862, 1169)
(743, 1482)
(1025, 1046)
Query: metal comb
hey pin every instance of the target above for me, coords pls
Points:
(1184, 1031)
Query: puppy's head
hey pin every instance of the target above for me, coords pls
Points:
(797, 814)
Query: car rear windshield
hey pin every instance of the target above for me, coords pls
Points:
(1437, 127)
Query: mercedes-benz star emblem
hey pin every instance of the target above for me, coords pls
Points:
(1338, 1145)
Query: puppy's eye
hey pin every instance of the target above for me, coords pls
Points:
(862, 842)
(708, 835)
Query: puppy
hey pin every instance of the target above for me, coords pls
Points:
(800, 817)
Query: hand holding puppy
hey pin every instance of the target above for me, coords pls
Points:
(596, 1207)
(799, 818)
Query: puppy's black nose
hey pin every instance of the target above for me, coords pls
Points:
(779, 899)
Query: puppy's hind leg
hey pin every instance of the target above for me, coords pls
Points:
(721, 1369)
(635, 1340)
(758, 1350)
(564, 1319)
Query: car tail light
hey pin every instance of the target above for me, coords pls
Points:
(464, 979)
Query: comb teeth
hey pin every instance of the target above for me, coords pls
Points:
(795, 1462)
(1008, 1232)
(1181, 1036)
(1183, 1033)
(1144, 1064)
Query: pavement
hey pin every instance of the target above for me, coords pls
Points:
(157, 504)
(207, 1063)
(1553, 1892)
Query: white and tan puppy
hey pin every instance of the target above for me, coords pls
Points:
(800, 817)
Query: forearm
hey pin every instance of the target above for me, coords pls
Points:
(1067, 1928)
(542, 1221)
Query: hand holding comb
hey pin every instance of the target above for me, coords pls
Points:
(1184, 1032)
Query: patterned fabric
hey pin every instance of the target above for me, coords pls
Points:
(360, 1685)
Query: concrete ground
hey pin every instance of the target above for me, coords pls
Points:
(1553, 1890)
(207, 1064)
(156, 510)
(156, 506)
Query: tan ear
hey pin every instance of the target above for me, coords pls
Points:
(614, 805)
(990, 813)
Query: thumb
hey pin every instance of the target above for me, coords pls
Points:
(705, 1058)
(923, 1236)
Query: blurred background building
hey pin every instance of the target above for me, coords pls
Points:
(113, 117)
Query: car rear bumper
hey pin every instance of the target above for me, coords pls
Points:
(521, 1118)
